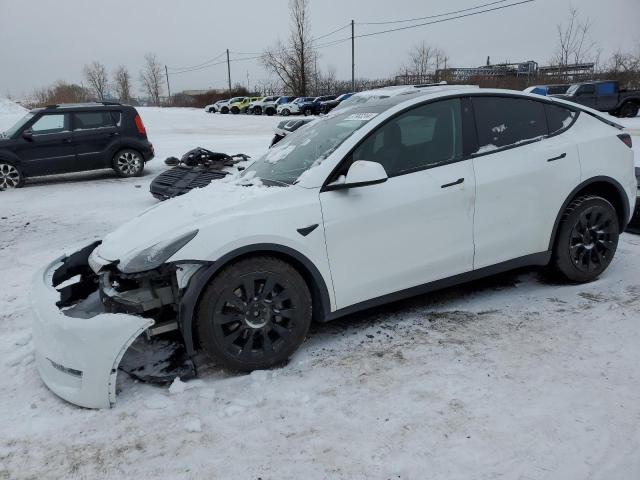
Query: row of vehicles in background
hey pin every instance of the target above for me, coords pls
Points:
(278, 104)
(604, 95)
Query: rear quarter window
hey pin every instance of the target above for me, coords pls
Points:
(559, 118)
(504, 121)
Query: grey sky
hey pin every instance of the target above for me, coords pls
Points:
(45, 40)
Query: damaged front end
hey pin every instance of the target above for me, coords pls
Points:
(86, 316)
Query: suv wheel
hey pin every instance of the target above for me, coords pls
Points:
(587, 239)
(629, 110)
(285, 112)
(224, 109)
(270, 111)
(254, 314)
(10, 176)
(257, 110)
(235, 110)
(128, 163)
(307, 112)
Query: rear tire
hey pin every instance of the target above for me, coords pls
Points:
(10, 176)
(587, 239)
(235, 110)
(270, 112)
(128, 163)
(629, 110)
(285, 112)
(257, 110)
(254, 314)
(307, 112)
(224, 110)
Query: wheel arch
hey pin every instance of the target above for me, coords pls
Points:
(602, 186)
(312, 276)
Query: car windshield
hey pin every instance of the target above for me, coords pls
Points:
(236, 99)
(359, 99)
(18, 125)
(306, 147)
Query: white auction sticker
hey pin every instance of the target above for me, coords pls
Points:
(361, 117)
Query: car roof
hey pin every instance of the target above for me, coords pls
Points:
(81, 107)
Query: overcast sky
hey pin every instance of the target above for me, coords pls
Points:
(42, 41)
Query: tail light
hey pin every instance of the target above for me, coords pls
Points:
(139, 125)
(626, 139)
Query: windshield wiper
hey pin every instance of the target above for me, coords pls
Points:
(277, 182)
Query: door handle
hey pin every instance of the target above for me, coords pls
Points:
(457, 182)
(562, 155)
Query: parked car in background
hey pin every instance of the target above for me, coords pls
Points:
(314, 106)
(605, 96)
(74, 137)
(286, 127)
(547, 89)
(215, 107)
(243, 277)
(327, 105)
(271, 108)
(242, 105)
(293, 108)
(256, 107)
(225, 105)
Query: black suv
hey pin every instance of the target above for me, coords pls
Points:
(72, 138)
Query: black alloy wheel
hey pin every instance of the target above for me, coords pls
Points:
(254, 314)
(587, 239)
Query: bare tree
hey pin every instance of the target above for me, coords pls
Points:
(122, 84)
(96, 75)
(574, 41)
(59, 92)
(151, 78)
(293, 62)
(424, 60)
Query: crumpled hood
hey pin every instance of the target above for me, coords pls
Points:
(177, 216)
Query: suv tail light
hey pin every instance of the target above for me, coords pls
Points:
(139, 125)
(626, 139)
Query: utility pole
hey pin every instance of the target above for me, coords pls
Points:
(166, 72)
(229, 70)
(353, 62)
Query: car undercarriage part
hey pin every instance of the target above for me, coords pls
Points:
(196, 169)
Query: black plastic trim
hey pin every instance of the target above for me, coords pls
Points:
(536, 259)
(304, 231)
(344, 186)
(553, 159)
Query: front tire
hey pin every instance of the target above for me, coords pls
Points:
(587, 239)
(257, 110)
(307, 112)
(10, 176)
(254, 314)
(224, 110)
(285, 112)
(128, 163)
(235, 110)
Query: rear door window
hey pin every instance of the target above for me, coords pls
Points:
(504, 122)
(92, 120)
(50, 123)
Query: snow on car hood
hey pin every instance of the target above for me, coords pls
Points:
(175, 217)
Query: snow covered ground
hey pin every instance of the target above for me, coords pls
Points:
(509, 377)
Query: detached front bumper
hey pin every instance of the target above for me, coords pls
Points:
(78, 349)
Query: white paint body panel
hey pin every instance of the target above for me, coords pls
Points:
(519, 194)
(93, 346)
(399, 234)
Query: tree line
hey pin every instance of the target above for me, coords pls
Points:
(291, 67)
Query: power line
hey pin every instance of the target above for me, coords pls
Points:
(432, 16)
(198, 65)
(214, 65)
(315, 39)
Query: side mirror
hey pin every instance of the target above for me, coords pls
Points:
(172, 161)
(27, 135)
(360, 174)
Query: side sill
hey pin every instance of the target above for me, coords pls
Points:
(536, 259)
